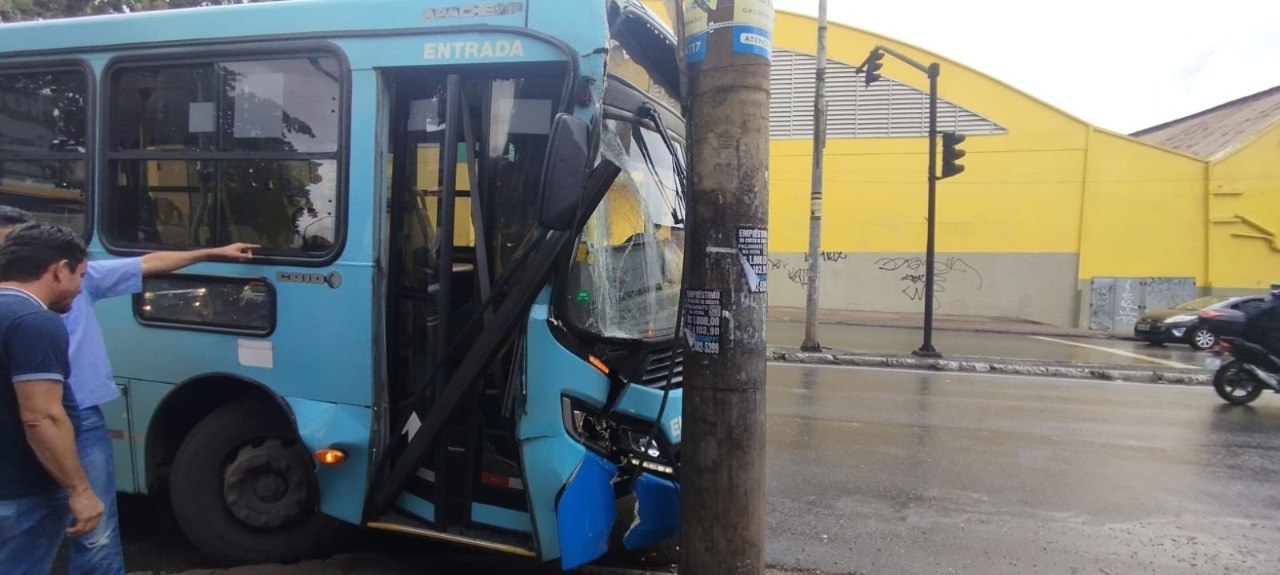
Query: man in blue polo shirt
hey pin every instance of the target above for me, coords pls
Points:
(41, 267)
(100, 552)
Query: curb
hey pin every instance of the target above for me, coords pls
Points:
(1077, 334)
(1174, 376)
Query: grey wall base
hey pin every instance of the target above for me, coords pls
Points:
(1039, 287)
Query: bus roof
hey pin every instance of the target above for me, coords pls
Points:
(286, 17)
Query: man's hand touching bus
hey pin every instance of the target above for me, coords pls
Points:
(165, 262)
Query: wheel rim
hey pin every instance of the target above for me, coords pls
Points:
(265, 486)
(1236, 383)
(1204, 338)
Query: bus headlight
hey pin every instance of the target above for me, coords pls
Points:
(618, 442)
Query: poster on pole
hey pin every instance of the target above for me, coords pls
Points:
(751, 25)
(702, 311)
(753, 28)
(697, 14)
(753, 252)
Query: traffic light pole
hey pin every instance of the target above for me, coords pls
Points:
(926, 348)
(722, 496)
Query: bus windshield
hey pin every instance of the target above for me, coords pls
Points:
(626, 273)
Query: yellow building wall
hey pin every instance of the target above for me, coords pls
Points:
(1244, 212)
(1144, 211)
(875, 191)
(1052, 201)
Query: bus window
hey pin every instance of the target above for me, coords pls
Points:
(520, 113)
(42, 144)
(627, 269)
(212, 303)
(219, 152)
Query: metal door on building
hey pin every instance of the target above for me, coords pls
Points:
(1115, 304)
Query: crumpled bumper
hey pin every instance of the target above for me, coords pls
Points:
(586, 512)
(657, 512)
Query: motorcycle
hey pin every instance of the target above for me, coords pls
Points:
(1249, 370)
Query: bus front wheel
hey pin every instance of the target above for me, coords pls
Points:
(242, 489)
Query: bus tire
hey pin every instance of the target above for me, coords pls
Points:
(243, 490)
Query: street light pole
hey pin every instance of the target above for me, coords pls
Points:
(815, 196)
(926, 348)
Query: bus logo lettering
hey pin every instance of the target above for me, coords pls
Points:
(473, 50)
(476, 11)
(333, 279)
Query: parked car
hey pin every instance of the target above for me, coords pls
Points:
(1182, 323)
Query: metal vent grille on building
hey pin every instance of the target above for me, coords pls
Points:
(885, 109)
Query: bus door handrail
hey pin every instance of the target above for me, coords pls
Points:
(477, 204)
(508, 316)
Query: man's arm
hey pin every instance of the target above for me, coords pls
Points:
(165, 262)
(53, 440)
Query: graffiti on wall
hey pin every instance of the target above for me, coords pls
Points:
(1127, 308)
(1167, 292)
(829, 256)
(1100, 303)
(798, 275)
(949, 270)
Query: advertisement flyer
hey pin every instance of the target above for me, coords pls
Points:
(751, 25)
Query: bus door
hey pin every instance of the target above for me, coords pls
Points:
(466, 259)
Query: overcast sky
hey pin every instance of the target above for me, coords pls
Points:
(1122, 65)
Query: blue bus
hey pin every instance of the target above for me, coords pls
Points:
(461, 323)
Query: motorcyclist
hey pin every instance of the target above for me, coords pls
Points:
(1262, 327)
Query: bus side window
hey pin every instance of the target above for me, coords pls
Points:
(209, 153)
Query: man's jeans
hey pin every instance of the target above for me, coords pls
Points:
(30, 530)
(99, 552)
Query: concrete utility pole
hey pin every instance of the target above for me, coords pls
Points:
(726, 247)
(815, 195)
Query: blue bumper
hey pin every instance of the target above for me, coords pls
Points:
(586, 512)
(657, 512)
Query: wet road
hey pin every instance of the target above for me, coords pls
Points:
(884, 472)
(880, 471)
(898, 340)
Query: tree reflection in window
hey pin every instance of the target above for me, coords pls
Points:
(211, 153)
(42, 144)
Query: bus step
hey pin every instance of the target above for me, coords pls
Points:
(482, 539)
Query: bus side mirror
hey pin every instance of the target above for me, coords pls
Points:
(564, 173)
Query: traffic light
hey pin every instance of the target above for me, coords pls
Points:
(950, 153)
(873, 65)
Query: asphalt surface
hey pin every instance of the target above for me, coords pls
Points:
(883, 471)
(892, 471)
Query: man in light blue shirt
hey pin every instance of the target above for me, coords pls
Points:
(91, 381)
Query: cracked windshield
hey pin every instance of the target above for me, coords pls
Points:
(625, 277)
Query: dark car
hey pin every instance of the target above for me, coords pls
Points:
(1182, 323)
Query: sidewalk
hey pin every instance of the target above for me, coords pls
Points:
(788, 321)
(940, 322)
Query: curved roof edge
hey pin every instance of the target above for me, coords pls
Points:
(1007, 85)
(967, 67)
